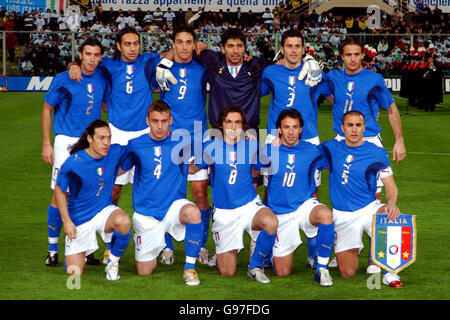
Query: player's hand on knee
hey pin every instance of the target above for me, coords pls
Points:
(311, 72)
(392, 211)
(164, 76)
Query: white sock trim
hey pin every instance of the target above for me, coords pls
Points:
(191, 259)
(323, 261)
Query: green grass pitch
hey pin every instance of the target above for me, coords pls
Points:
(422, 179)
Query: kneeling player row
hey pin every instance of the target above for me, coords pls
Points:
(160, 204)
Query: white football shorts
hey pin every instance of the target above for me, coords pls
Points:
(349, 226)
(86, 240)
(61, 152)
(149, 232)
(288, 235)
(229, 225)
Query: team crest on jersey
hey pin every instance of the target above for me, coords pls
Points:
(350, 86)
(291, 158)
(157, 151)
(129, 69)
(232, 156)
(349, 158)
(90, 88)
(182, 72)
(100, 171)
(291, 80)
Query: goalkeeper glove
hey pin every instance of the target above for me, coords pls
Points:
(164, 76)
(311, 70)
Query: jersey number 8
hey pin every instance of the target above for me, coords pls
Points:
(232, 178)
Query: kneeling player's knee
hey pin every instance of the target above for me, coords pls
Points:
(123, 222)
(191, 214)
(226, 272)
(270, 223)
(145, 268)
(282, 271)
(347, 272)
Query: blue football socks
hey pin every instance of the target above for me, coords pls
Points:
(325, 242)
(206, 215)
(192, 240)
(263, 246)
(54, 224)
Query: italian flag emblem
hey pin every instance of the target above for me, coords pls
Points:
(90, 88)
(350, 86)
(129, 69)
(393, 241)
(291, 80)
(100, 171)
(157, 151)
(291, 158)
(182, 72)
(349, 158)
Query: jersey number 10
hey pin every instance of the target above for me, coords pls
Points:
(288, 180)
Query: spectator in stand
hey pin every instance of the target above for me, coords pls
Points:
(158, 16)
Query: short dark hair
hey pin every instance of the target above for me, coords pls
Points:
(289, 113)
(93, 42)
(228, 109)
(158, 105)
(232, 33)
(350, 41)
(184, 28)
(291, 33)
(351, 113)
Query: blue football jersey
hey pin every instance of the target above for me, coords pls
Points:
(130, 90)
(75, 104)
(231, 171)
(90, 182)
(160, 177)
(353, 173)
(289, 92)
(187, 99)
(291, 175)
(364, 92)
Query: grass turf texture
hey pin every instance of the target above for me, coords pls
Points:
(422, 179)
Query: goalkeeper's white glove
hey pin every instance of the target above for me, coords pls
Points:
(311, 70)
(163, 74)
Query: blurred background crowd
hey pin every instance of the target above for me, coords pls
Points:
(403, 41)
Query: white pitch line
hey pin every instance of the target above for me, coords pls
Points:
(426, 153)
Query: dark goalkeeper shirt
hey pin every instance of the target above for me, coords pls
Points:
(244, 90)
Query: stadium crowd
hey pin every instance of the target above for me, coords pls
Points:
(388, 51)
